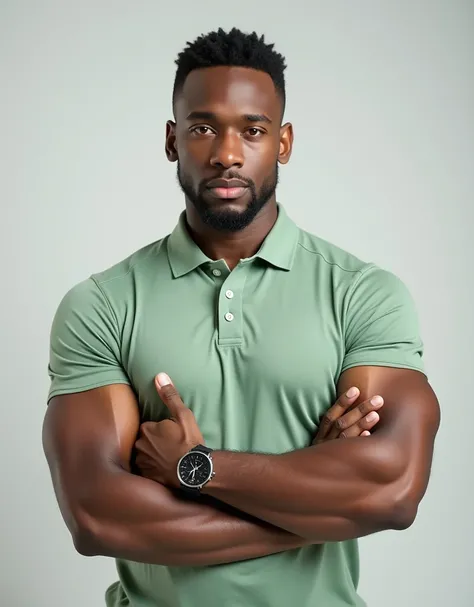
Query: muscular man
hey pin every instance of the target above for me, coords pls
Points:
(188, 381)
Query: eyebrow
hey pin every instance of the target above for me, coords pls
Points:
(197, 115)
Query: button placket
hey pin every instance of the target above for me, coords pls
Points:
(230, 307)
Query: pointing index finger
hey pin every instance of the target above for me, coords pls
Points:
(169, 395)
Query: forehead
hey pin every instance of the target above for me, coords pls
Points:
(224, 89)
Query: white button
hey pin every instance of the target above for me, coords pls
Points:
(229, 294)
(216, 272)
(229, 316)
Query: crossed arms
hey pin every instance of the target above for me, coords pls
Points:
(258, 504)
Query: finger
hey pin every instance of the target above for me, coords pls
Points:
(339, 408)
(170, 396)
(354, 416)
(366, 423)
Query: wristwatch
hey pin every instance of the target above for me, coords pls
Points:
(195, 469)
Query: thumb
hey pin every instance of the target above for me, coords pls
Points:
(170, 396)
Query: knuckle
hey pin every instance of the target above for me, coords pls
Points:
(340, 423)
(327, 420)
(189, 414)
(170, 392)
(343, 435)
(144, 428)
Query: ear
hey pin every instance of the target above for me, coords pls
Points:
(170, 141)
(286, 143)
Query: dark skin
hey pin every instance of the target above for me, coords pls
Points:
(89, 438)
(216, 132)
(389, 473)
(344, 489)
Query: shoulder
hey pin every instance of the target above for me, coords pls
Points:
(97, 293)
(328, 254)
(140, 261)
(359, 277)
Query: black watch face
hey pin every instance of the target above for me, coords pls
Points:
(194, 469)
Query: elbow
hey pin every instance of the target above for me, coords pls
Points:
(398, 492)
(402, 514)
(85, 534)
(85, 543)
(397, 510)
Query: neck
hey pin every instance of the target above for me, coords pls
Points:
(231, 246)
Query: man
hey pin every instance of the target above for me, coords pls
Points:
(189, 424)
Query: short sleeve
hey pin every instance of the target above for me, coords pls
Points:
(381, 323)
(84, 343)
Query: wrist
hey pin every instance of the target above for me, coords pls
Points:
(215, 483)
(195, 469)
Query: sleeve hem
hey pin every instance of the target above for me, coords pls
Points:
(384, 363)
(75, 389)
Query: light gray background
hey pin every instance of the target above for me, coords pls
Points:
(381, 96)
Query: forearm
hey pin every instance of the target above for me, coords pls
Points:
(134, 518)
(333, 492)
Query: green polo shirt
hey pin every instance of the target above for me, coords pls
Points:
(256, 353)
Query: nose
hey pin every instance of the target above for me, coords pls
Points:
(227, 152)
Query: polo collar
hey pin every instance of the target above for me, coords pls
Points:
(278, 248)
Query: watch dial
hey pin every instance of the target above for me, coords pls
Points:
(194, 469)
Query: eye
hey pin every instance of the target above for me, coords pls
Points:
(201, 130)
(254, 132)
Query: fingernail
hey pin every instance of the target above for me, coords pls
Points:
(163, 380)
(371, 417)
(352, 392)
(377, 401)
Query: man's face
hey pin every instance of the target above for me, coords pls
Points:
(227, 142)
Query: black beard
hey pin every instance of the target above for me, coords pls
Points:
(225, 220)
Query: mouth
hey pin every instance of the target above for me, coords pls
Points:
(227, 193)
(227, 189)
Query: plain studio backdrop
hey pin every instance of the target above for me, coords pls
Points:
(381, 95)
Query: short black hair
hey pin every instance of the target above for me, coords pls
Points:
(233, 48)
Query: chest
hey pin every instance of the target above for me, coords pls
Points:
(258, 368)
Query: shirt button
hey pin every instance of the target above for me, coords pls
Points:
(229, 316)
(229, 294)
(216, 272)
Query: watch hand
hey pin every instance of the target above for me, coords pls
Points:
(191, 472)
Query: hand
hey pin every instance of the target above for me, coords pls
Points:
(340, 421)
(161, 445)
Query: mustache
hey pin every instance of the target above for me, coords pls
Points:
(228, 175)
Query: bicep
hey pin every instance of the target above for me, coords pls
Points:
(409, 418)
(409, 401)
(85, 435)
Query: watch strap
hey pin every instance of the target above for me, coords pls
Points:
(202, 449)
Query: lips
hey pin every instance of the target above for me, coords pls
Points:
(227, 193)
(227, 188)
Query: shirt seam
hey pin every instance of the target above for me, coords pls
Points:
(331, 263)
(83, 387)
(384, 363)
(115, 319)
(132, 267)
(86, 386)
(350, 291)
(107, 303)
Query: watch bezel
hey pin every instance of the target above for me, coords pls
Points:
(211, 472)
